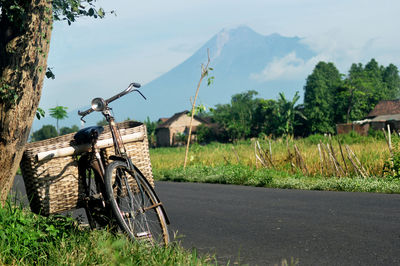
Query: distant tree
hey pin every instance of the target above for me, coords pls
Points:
(67, 130)
(347, 97)
(102, 122)
(391, 77)
(238, 117)
(265, 117)
(59, 113)
(286, 114)
(46, 132)
(278, 117)
(363, 88)
(319, 97)
(300, 122)
(151, 131)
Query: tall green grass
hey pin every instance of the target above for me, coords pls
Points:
(29, 239)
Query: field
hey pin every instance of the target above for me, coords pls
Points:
(348, 163)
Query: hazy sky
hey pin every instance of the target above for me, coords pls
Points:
(147, 38)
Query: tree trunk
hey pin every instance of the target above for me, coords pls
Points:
(24, 46)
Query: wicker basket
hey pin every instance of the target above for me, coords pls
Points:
(53, 184)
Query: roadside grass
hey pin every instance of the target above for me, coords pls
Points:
(29, 239)
(236, 164)
(244, 175)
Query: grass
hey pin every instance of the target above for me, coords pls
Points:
(236, 164)
(244, 175)
(372, 154)
(29, 239)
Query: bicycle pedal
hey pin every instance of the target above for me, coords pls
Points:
(84, 225)
(143, 235)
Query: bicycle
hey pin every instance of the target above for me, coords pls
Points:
(118, 186)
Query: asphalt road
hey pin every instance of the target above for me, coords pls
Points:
(263, 226)
(260, 226)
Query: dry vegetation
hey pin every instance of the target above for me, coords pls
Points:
(281, 155)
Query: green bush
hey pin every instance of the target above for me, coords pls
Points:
(67, 130)
(314, 139)
(46, 132)
(205, 134)
(377, 134)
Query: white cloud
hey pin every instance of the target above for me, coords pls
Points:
(289, 67)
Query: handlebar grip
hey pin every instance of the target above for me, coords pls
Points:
(136, 85)
(126, 91)
(85, 113)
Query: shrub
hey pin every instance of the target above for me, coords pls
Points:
(46, 132)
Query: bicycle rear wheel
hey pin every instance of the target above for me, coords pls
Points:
(135, 204)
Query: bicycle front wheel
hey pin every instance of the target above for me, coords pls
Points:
(135, 204)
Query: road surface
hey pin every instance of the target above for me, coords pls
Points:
(263, 226)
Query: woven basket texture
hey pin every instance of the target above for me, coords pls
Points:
(54, 186)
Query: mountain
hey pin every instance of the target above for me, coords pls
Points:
(237, 55)
(240, 58)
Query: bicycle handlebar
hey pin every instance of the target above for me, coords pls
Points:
(113, 98)
(124, 92)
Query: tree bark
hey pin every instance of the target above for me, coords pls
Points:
(24, 46)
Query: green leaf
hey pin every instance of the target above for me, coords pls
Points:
(40, 113)
(101, 13)
(91, 12)
(210, 81)
(50, 74)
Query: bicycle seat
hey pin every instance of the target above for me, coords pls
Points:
(86, 135)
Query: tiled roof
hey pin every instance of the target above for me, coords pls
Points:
(170, 120)
(162, 120)
(387, 107)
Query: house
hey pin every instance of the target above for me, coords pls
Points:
(385, 113)
(172, 132)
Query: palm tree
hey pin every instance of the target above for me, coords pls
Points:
(287, 112)
(59, 113)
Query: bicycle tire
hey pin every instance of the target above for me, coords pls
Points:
(135, 205)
